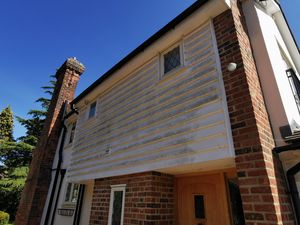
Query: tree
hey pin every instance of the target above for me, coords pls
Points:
(34, 125)
(15, 156)
(12, 154)
(6, 124)
(11, 189)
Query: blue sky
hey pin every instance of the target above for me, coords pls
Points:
(37, 36)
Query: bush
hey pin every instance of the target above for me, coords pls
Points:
(4, 218)
(11, 188)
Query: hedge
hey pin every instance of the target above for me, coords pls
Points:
(4, 218)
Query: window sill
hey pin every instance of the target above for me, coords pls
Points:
(68, 205)
(174, 72)
(89, 121)
(69, 145)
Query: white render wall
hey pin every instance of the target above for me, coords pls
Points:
(265, 39)
(146, 122)
(87, 199)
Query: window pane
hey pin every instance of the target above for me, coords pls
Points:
(68, 192)
(72, 133)
(117, 208)
(92, 111)
(172, 59)
(199, 207)
(295, 86)
(75, 193)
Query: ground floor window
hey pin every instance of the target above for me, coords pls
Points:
(71, 194)
(116, 208)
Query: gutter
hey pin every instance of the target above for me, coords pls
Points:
(287, 148)
(62, 176)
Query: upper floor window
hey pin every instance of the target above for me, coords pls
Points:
(72, 133)
(172, 59)
(295, 86)
(92, 110)
(292, 77)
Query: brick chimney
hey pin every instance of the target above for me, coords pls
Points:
(38, 180)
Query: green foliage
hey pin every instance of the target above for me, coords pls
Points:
(15, 154)
(11, 189)
(4, 218)
(34, 125)
(6, 124)
(34, 128)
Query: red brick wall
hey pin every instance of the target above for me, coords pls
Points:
(38, 180)
(264, 193)
(149, 199)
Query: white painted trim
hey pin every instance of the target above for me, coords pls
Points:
(118, 187)
(69, 203)
(168, 49)
(89, 108)
(69, 132)
(221, 81)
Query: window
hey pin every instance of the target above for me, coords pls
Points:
(72, 133)
(292, 77)
(71, 194)
(92, 111)
(116, 209)
(199, 206)
(295, 86)
(172, 59)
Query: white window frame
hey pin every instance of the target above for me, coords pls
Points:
(89, 109)
(70, 133)
(69, 203)
(114, 188)
(162, 59)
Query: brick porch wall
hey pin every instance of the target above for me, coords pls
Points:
(262, 186)
(149, 199)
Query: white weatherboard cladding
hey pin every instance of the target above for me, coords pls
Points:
(149, 123)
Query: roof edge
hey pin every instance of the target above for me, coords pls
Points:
(288, 25)
(177, 20)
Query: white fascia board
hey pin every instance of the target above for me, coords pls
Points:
(228, 3)
(273, 9)
(288, 39)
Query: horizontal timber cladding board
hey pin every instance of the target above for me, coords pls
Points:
(150, 122)
(188, 121)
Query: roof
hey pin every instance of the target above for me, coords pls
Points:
(171, 25)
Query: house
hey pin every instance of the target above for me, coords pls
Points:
(198, 125)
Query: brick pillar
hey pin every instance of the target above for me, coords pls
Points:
(149, 199)
(264, 193)
(38, 180)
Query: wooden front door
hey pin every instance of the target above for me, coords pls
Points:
(202, 200)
